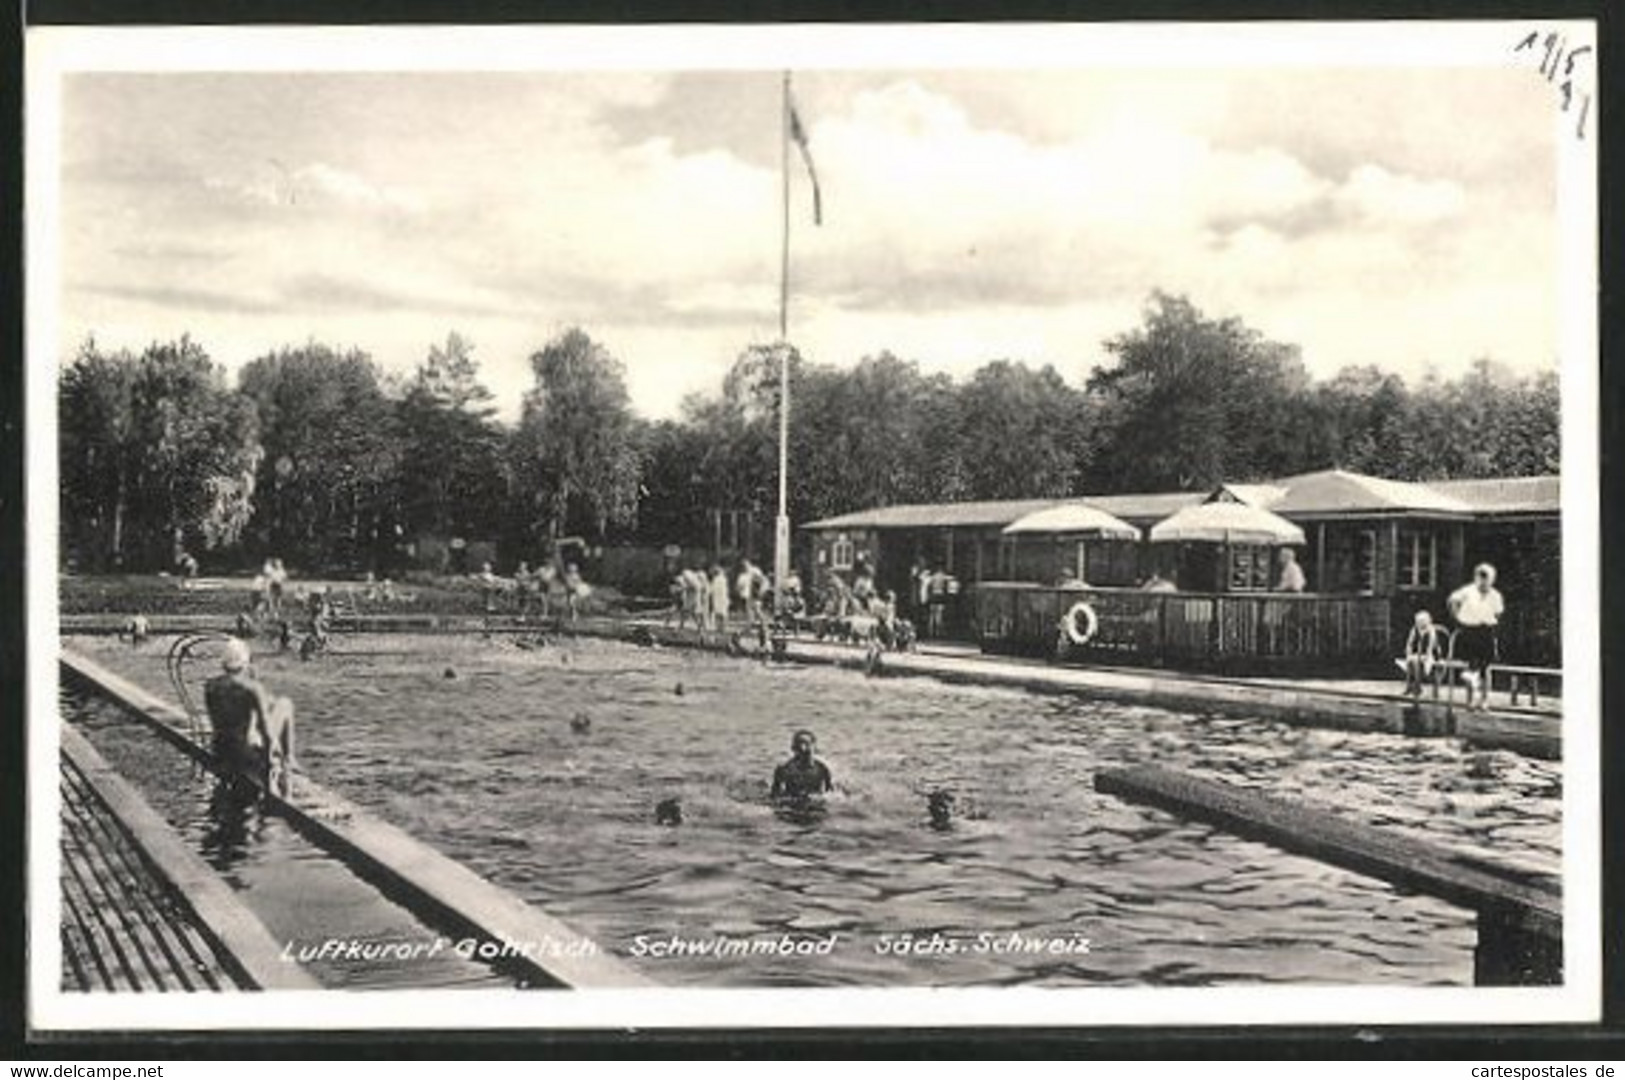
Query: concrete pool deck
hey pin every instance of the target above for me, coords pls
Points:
(1350, 705)
(1344, 704)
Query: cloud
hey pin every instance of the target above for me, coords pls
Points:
(967, 215)
(208, 301)
(1377, 195)
(316, 185)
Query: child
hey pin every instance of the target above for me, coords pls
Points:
(1422, 651)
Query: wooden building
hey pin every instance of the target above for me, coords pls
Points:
(1374, 552)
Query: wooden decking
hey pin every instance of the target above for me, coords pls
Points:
(140, 912)
(122, 929)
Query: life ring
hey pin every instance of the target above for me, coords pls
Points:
(1069, 624)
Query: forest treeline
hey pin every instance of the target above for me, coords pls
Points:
(318, 455)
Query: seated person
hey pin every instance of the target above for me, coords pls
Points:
(1157, 583)
(1422, 651)
(803, 776)
(252, 730)
(793, 603)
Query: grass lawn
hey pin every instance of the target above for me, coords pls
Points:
(154, 594)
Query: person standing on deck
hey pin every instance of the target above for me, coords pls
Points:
(523, 584)
(252, 731)
(919, 579)
(697, 591)
(276, 580)
(939, 589)
(1292, 579)
(717, 592)
(1477, 608)
(576, 590)
(752, 585)
(546, 578)
(489, 586)
(678, 590)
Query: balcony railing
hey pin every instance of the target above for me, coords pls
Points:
(1231, 632)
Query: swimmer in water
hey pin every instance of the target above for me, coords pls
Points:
(803, 776)
(940, 805)
(669, 812)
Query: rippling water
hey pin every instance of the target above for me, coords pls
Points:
(469, 745)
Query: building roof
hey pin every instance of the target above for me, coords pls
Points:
(1135, 509)
(1260, 495)
(1508, 495)
(1335, 492)
(1330, 492)
(999, 512)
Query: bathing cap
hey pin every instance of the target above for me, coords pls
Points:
(234, 656)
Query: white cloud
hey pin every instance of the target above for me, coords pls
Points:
(1380, 196)
(317, 185)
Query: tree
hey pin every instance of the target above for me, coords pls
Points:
(1019, 432)
(673, 493)
(95, 430)
(1193, 402)
(452, 467)
(158, 455)
(332, 451)
(879, 434)
(576, 448)
(1357, 421)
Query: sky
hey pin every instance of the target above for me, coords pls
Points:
(1401, 217)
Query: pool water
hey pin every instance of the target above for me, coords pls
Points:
(468, 744)
(303, 895)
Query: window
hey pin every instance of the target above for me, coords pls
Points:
(1418, 559)
(840, 557)
(1249, 568)
(1365, 563)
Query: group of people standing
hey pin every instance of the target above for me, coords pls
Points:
(708, 598)
(535, 590)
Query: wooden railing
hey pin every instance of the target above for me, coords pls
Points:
(1233, 632)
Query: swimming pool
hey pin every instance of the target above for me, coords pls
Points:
(468, 744)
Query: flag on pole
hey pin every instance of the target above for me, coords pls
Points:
(799, 134)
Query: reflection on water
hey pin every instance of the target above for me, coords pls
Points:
(486, 765)
(233, 825)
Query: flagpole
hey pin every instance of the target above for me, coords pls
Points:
(781, 531)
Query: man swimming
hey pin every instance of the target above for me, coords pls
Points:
(252, 729)
(803, 776)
